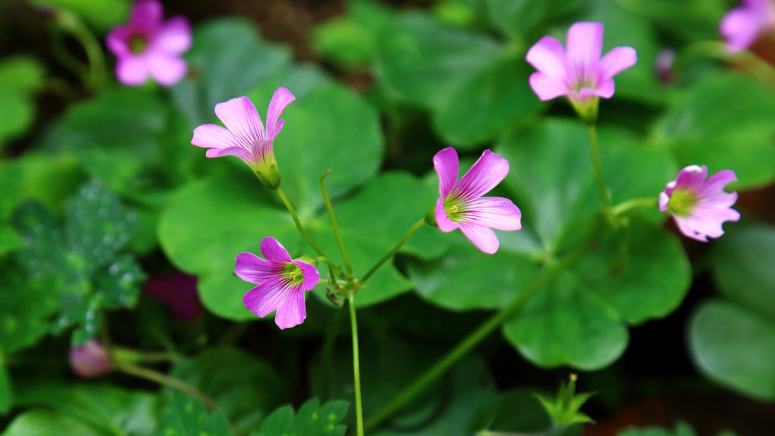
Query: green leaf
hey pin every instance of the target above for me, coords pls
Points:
(315, 137)
(19, 77)
(183, 415)
(118, 284)
(312, 419)
(742, 266)
(227, 59)
(551, 173)
(518, 19)
(206, 224)
(25, 305)
(115, 137)
(40, 422)
(423, 61)
(49, 179)
(487, 103)
(737, 138)
(97, 226)
(107, 408)
(244, 396)
(6, 398)
(514, 411)
(101, 13)
(735, 347)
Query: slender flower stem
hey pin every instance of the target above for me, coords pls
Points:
(334, 223)
(163, 379)
(356, 367)
(470, 341)
(69, 22)
(636, 203)
(393, 250)
(593, 147)
(295, 216)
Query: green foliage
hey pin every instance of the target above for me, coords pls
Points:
(564, 408)
(312, 419)
(81, 263)
(100, 13)
(183, 415)
(681, 429)
(20, 77)
(697, 132)
(42, 422)
(6, 396)
(245, 395)
(102, 408)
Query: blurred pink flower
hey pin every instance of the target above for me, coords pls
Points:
(664, 65)
(742, 26)
(245, 135)
(281, 282)
(147, 46)
(698, 203)
(579, 73)
(178, 292)
(461, 204)
(90, 360)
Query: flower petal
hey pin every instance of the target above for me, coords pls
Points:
(584, 44)
(292, 310)
(230, 151)
(482, 237)
(254, 269)
(241, 118)
(494, 212)
(545, 87)
(548, 56)
(310, 274)
(166, 69)
(174, 37)
(446, 162)
(281, 98)
(213, 136)
(442, 220)
(273, 250)
(605, 88)
(616, 61)
(146, 14)
(483, 176)
(692, 177)
(266, 297)
(716, 183)
(117, 40)
(740, 28)
(131, 70)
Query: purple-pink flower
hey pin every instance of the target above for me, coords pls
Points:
(245, 135)
(698, 203)
(461, 204)
(742, 26)
(281, 282)
(149, 47)
(90, 360)
(577, 71)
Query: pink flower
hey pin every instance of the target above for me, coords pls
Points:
(178, 292)
(245, 136)
(90, 360)
(742, 26)
(147, 46)
(698, 203)
(281, 282)
(461, 204)
(579, 73)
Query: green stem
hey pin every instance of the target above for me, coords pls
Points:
(636, 203)
(335, 224)
(70, 23)
(470, 341)
(295, 216)
(595, 151)
(165, 380)
(356, 367)
(393, 250)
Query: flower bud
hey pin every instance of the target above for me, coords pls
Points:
(90, 360)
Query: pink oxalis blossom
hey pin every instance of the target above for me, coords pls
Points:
(742, 26)
(90, 360)
(149, 47)
(578, 71)
(245, 135)
(462, 205)
(698, 203)
(281, 283)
